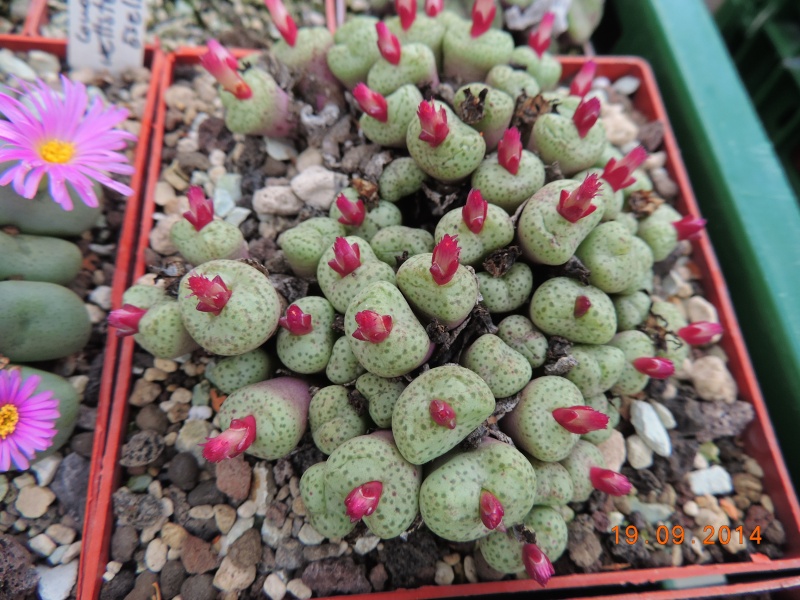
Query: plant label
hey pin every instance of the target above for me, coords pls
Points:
(106, 34)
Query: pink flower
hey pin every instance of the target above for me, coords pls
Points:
(65, 138)
(201, 209)
(434, 124)
(353, 213)
(689, 227)
(580, 419)
(618, 173)
(583, 80)
(442, 413)
(372, 327)
(610, 482)
(474, 211)
(27, 420)
(483, 12)
(296, 321)
(346, 257)
(537, 565)
(700, 333)
(126, 319)
(407, 11)
(586, 115)
(655, 367)
(509, 150)
(577, 205)
(212, 294)
(231, 442)
(283, 22)
(539, 38)
(372, 103)
(492, 511)
(223, 67)
(363, 500)
(444, 262)
(582, 306)
(433, 7)
(388, 44)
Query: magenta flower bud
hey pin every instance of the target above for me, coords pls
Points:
(223, 67)
(371, 102)
(434, 125)
(212, 294)
(539, 38)
(363, 500)
(231, 442)
(353, 213)
(689, 227)
(283, 21)
(655, 367)
(582, 306)
(491, 511)
(483, 12)
(347, 257)
(537, 565)
(126, 319)
(699, 333)
(583, 80)
(580, 419)
(474, 211)
(509, 150)
(586, 115)
(618, 174)
(388, 44)
(296, 321)
(201, 209)
(577, 205)
(442, 413)
(444, 263)
(407, 11)
(372, 327)
(610, 482)
(433, 7)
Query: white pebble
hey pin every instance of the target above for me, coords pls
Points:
(366, 544)
(664, 414)
(247, 509)
(714, 480)
(650, 428)
(276, 200)
(626, 85)
(640, 455)
(33, 501)
(155, 557)
(298, 589)
(101, 296)
(45, 469)
(310, 536)
(691, 508)
(200, 413)
(712, 380)
(444, 573)
(56, 583)
(274, 587)
(42, 545)
(318, 186)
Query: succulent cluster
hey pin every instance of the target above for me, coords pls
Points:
(457, 338)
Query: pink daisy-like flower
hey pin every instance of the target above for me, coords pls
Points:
(27, 421)
(64, 137)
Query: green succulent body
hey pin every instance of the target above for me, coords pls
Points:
(470, 59)
(504, 189)
(557, 140)
(332, 418)
(393, 243)
(495, 116)
(234, 372)
(504, 370)
(400, 178)
(497, 232)
(382, 395)
(218, 239)
(635, 344)
(553, 311)
(309, 353)
(305, 243)
(417, 66)
(401, 107)
(509, 291)
(39, 258)
(520, 334)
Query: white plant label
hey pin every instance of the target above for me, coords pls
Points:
(106, 34)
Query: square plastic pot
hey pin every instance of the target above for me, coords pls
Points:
(759, 437)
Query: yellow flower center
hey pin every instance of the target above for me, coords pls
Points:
(9, 417)
(56, 151)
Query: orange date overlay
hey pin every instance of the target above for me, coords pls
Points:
(664, 535)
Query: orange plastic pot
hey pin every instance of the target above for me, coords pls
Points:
(759, 438)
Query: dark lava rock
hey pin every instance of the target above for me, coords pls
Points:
(411, 563)
(139, 510)
(289, 555)
(584, 546)
(153, 418)
(199, 587)
(183, 470)
(142, 449)
(193, 161)
(723, 419)
(336, 576)
(206, 492)
(213, 134)
(118, 588)
(17, 575)
(378, 577)
(205, 529)
(246, 551)
(82, 443)
(312, 553)
(171, 578)
(70, 485)
(143, 588)
(124, 543)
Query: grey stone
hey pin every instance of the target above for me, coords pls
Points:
(647, 424)
(56, 583)
(713, 480)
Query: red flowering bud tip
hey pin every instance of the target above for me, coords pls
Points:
(371, 103)
(372, 327)
(509, 150)
(444, 263)
(213, 294)
(223, 67)
(201, 209)
(474, 211)
(618, 173)
(388, 44)
(434, 125)
(700, 333)
(537, 565)
(442, 414)
(610, 482)
(483, 12)
(285, 23)
(689, 227)
(655, 367)
(433, 7)
(580, 419)
(353, 213)
(539, 38)
(586, 115)
(126, 319)
(363, 500)
(491, 510)
(231, 442)
(347, 257)
(582, 306)
(407, 11)
(577, 205)
(583, 80)
(296, 321)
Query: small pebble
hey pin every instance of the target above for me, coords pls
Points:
(366, 544)
(712, 380)
(61, 534)
(444, 573)
(274, 587)
(714, 480)
(298, 589)
(42, 545)
(310, 536)
(640, 455)
(647, 424)
(56, 583)
(470, 570)
(155, 557)
(33, 501)
(44, 469)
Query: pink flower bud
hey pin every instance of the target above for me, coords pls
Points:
(231, 442)
(296, 321)
(580, 419)
(201, 209)
(509, 150)
(537, 565)
(586, 115)
(577, 205)
(444, 263)
(371, 103)
(483, 12)
(363, 500)
(474, 211)
(655, 367)
(433, 7)
(284, 23)
(610, 482)
(372, 327)
(353, 213)
(434, 125)
(539, 38)
(442, 413)
(689, 227)
(582, 306)
(583, 80)
(700, 333)
(491, 511)
(212, 294)
(618, 174)
(126, 319)
(347, 257)
(407, 11)
(223, 67)
(388, 44)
